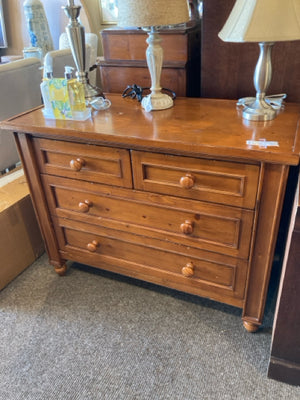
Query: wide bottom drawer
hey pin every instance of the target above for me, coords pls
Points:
(140, 258)
(216, 228)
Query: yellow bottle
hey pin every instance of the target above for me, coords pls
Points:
(76, 94)
(59, 97)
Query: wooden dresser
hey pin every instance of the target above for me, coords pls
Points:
(174, 197)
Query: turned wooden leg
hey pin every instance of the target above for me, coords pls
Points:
(250, 326)
(61, 269)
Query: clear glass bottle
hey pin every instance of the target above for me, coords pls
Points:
(76, 94)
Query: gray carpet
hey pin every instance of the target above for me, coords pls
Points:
(97, 336)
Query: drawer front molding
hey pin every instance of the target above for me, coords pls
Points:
(217, 228)
(106, 245)
(84, 162)
(200, 179)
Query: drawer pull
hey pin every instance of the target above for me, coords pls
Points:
(77, 164)
(188, 270)
(187, 227)
(187, 181)
(85, 206)
(93, 246)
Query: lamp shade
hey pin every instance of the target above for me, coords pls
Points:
(143, 13)
(262, 21)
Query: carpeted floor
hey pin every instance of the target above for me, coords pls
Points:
(97, 336)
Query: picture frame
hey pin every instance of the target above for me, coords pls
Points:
(3, 38)
(109, 12)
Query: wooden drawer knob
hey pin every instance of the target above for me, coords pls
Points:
(93, 246)
(187, 227)
(85, 206)
(187, 181)
(188, 270)
(77, 164)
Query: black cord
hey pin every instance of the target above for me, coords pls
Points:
(135, 91)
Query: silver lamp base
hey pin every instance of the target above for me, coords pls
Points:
(257, 110)
(90, 91)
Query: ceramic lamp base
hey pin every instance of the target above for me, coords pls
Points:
(158, 101)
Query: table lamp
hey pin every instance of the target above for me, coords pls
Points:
(152, 14)
(265, 22)
(76, 36)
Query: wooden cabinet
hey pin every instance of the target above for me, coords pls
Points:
(175, 197)
(124, 60)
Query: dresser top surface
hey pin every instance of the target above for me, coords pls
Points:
(193, 126)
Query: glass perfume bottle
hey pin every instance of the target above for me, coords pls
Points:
(76, 94)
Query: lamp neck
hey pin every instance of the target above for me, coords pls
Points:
(263, 70)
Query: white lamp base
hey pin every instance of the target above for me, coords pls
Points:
(157, 101)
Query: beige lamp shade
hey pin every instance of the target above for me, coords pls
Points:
(142, 13)
(262, 21)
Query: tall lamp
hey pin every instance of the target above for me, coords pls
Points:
(265, 22)
(153, 14)
(76, 36)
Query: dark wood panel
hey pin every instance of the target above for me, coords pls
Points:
(227, 68)
(130, 44)
(285, 351)
(116, 78)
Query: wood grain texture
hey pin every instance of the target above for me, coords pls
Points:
(222, 279)
(116, 77)
(273, 189)
(38, 199)
(216, 228)
(78, 161)
(124, 209)
(192, 127)
(130, 44)
(211, 180)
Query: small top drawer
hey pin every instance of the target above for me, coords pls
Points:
(223, 182)
(83, 161)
